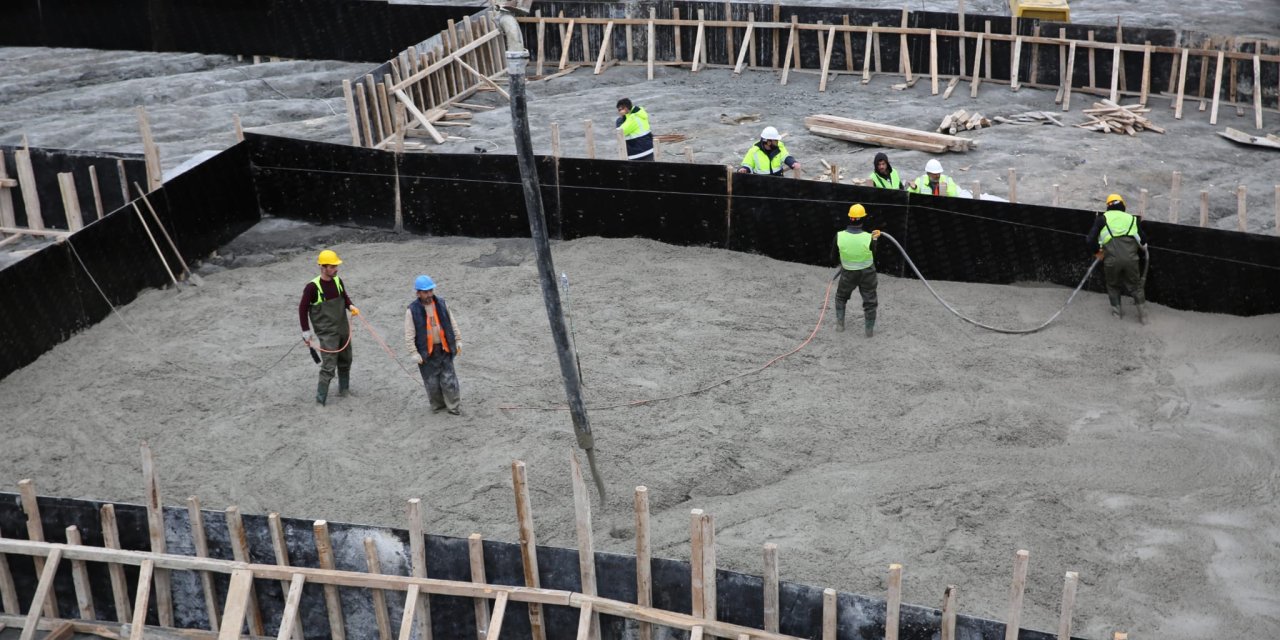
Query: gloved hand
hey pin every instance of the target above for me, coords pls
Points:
(1098, 255)
(354, 310)
(307, 336)
(417, 358)
(457, 349)
(875, 235)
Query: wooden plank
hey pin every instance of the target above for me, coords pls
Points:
(1015, 66)
(826, 58)
(475, 553)
(1068, 604)
(650, 44)
(1142, 203)
(866, 56)
(1063, 71)
(777, 17)
(70, 201)
(933, 61)
(418, 560)
(795, 54)
(411, 599)
(1277, 205)
(1217, 90)
(43, 595)
(977, 61)
(353, 123)
(80, 579)
(590, 135)
(143, 595)
(35, 528)
(604, 50)
(728, 31)
(421, 117)
(586, 42)
(1175, 197)
(290, 620)
(484, 79)
(280, 549)
(541, 31)
(119, 586)
(566, 39)
(1014, 620)
(951, 86)
(385, 99)
(1115, 75)
(830, 626)
(9, 592)
(499, 612)
(1257, 91)
(875, 48)
(631, 55)
(7, 217)
(333, 604)
(239, 542)
(195, 516)
(1119, 52)
(528, 546)
(375, 110)
(904, 51)
(708, 566)
(893, 603)
(948, 625)
(97, 192)
(555, 139)
(1035, 54)
(675, 12)
(699, 41)
(1146, 74)
(644, 571)
(1204, 208)
(772, 614)
(1182, 85)
(747, 39)
(380, 615)
(848, 45)
(1242, 220)
(962, 40)
(151, 154)
(584, 622)
(239, 595)
(1093, 82)
(582, 520)
(1066, 79)
(986, 53)
(1013, 185)
(30, 193)
(696, 583)
(363, 110)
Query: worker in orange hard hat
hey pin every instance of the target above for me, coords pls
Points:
(1117, 235)
(858, 269)
(325, 327)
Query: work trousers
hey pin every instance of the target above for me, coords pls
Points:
(441, 381)
(864, 280)
(1121, 264)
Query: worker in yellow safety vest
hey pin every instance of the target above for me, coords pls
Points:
(858, 269)
(768, 156)
(634, 122)
(934, 182)
(883, 175)
(1117, 236)
(323, 316)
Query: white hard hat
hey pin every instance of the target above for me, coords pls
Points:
(933, 166)
(770, 133)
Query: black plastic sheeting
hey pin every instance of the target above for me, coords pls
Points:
(739, 598)
(46, 164)
(58, 295)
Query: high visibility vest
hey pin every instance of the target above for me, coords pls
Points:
(320, 289)
(855, 250)
(428, 319)
(946, 186)
(894, 182)
(1119, 224)
(635, 129)
(760, 163)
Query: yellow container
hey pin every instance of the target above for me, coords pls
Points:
(1053, 10)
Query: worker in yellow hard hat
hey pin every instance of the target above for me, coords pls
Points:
(1117, 236)
(858, 269)
(325, 327)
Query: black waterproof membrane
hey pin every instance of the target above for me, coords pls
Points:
(46, 164)
(739, 597)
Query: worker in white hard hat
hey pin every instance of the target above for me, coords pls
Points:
(934, 182)
(768, 156)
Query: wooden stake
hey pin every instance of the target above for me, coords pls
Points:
(1035, 54)
(1277, 204)
(1013, 185)
(364, 115)
(708, 566)
(43, 594)
(333, 603)
(1217, 90)
(70, 201)
(893, 603)
(795, 59)
(875, 48)
(555, 139)
(1056, 195)
(591, 139)
(791, 43)
(948, 631)
(631, 56)
(866, 55)
(728, 31)
(1068, 603)
(1120, 41)
(97, 193)
(1146, 73)
(650, 44)
(605, 47)
(829, 622)
(155, 522)
(1142, 203)
(119, 586)
(499, 612)
(30, 195)
(35, 531)
(379, 598)
(1204, 208)
(699, 42)
(80, 578)
(675, 14)
(747, 39)
(933, 60)
(586, 43)
(475, 553)
(1063, 70)
(986, 54)
(353, 123)
(1093, 82)
(281, 551)
(1015, 67)
(848, 46)
(1241, 214)
(777, 17)
(771, 610)
(1182, 86)
(240, 551)
(528, 547)
(586, 545)
(826, 58)
(904, 52)
(151, 153)
(644, 575)
(1175, 197)
(977, 189)
(239, 597)
(7, 218)
(411, 598)
(584, 622)
(977, 68)
(1257, 90)
(696, 583)
(142, 596)
(566, 39)
(1014, 620)
(418, 555)
(290, 621)
(1115, 75)
(9, 592)
(1066, 79)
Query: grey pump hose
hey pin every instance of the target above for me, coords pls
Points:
(971, 321)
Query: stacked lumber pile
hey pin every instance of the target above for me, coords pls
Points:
(963, 121)
(1030, 117)
(885, 135)
(1109, 117)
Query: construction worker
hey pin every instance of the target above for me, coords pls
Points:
(431, 335)
(883, 175)
(323, 315)
(768, 156)
(934, 182)
(634, 122)
(1117, 236)
(856, 249)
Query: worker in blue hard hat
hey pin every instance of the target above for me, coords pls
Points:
(431, 336)
(858, 269)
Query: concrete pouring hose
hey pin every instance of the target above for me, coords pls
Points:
(971, 321)
(390, 354)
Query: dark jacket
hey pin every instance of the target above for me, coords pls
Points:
(420, 321)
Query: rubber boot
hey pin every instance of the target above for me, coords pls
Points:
(322, 392)
(1142, 312)
(1116, 310)
(839, 320)
(344, 382)
(869, 323)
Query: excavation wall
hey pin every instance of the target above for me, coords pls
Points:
(114, 171)
(739, 596)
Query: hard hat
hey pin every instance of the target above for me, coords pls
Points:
(328, 257)
(1114, 198)
(857, 211)
(770, 133)
(424, 283)
(933, 166)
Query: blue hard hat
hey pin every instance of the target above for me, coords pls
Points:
(424, 283)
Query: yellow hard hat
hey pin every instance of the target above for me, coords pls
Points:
(857, 211)
(328, 257)
(1114, 198)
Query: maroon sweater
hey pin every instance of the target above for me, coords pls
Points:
(309, 296)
